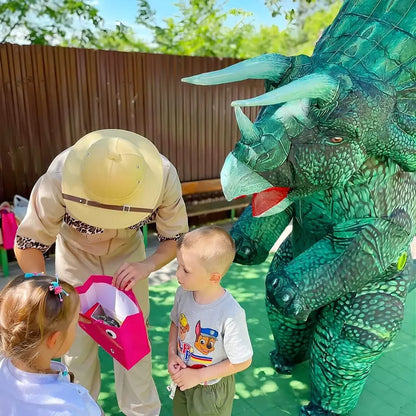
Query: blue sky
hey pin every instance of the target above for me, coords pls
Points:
(125, 11)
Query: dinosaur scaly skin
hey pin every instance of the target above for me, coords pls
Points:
(333, 150)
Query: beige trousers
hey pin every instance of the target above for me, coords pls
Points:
(135, 388)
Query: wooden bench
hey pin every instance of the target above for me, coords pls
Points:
(206, 197)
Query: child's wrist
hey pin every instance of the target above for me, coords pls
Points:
(172, 352)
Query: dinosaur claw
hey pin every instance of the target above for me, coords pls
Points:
(280, 365)
(315, 410)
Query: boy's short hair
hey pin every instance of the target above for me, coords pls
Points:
(215, 246)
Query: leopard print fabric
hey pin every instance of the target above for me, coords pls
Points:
(80, 226)
(142, 223)
(25, 242)
(176, 237)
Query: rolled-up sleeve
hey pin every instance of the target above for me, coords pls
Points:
(171, 217)
(44, 215)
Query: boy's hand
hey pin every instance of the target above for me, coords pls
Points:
(175, 364)
(187, 378)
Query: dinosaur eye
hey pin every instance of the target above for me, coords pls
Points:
(337, 140)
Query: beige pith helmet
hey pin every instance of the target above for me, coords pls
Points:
(112, 178)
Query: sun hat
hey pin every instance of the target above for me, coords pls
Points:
(112, 178)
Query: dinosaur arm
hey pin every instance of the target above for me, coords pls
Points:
(356, 253)
(254, 237)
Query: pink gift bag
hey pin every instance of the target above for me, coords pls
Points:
(116, 321)
(8, 227)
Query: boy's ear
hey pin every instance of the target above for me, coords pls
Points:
(215, 277)
(52, 339)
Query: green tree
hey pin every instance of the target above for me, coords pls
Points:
(276, 7)
(122, 38)
(265, 40)
(47, 21)
(309, 24)
(202, 28)
(199, 29)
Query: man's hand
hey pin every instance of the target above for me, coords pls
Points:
(84, 319)
(130, 273)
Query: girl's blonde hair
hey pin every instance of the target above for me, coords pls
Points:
(30, 311)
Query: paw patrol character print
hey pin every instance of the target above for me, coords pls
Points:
(183, 327)
(205, 339)
(183, 347)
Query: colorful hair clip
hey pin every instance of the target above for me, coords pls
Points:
(28, 275)
(57, 289)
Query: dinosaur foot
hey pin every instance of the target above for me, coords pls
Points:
(315, 410)
(279, 364)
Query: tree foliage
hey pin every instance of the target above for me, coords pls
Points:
(122, 39)
(308, 26)
(200, 27)
(276, 7)
(46, 21)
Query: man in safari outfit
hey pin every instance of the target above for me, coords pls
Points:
(92, 201)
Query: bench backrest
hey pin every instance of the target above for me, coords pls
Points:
(200, 187)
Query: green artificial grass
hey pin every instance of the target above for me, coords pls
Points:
(389, 391)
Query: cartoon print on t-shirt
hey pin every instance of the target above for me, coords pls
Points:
(205, 339)
(204, 343)
(183, 327)
(183, 347)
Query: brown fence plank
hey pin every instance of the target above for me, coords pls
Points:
(52, 96)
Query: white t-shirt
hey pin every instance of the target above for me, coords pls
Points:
(209, 334)
(33, 394)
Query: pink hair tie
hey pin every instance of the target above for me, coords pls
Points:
(57, 289)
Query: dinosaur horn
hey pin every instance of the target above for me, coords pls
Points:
(310, 86)
(249, 131)
(270, 66)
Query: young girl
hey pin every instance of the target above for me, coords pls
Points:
(38, 317)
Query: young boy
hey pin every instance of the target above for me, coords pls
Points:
(208, 339)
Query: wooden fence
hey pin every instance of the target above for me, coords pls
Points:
(52, 96)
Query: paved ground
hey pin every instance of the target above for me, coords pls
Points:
(389, 391)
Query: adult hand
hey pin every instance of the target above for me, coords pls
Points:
(84, 319)
(130, 273)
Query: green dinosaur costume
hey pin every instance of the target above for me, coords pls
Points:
(333, 151)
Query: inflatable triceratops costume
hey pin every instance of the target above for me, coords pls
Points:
(333, 150)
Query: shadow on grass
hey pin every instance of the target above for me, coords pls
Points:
(259, 389)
